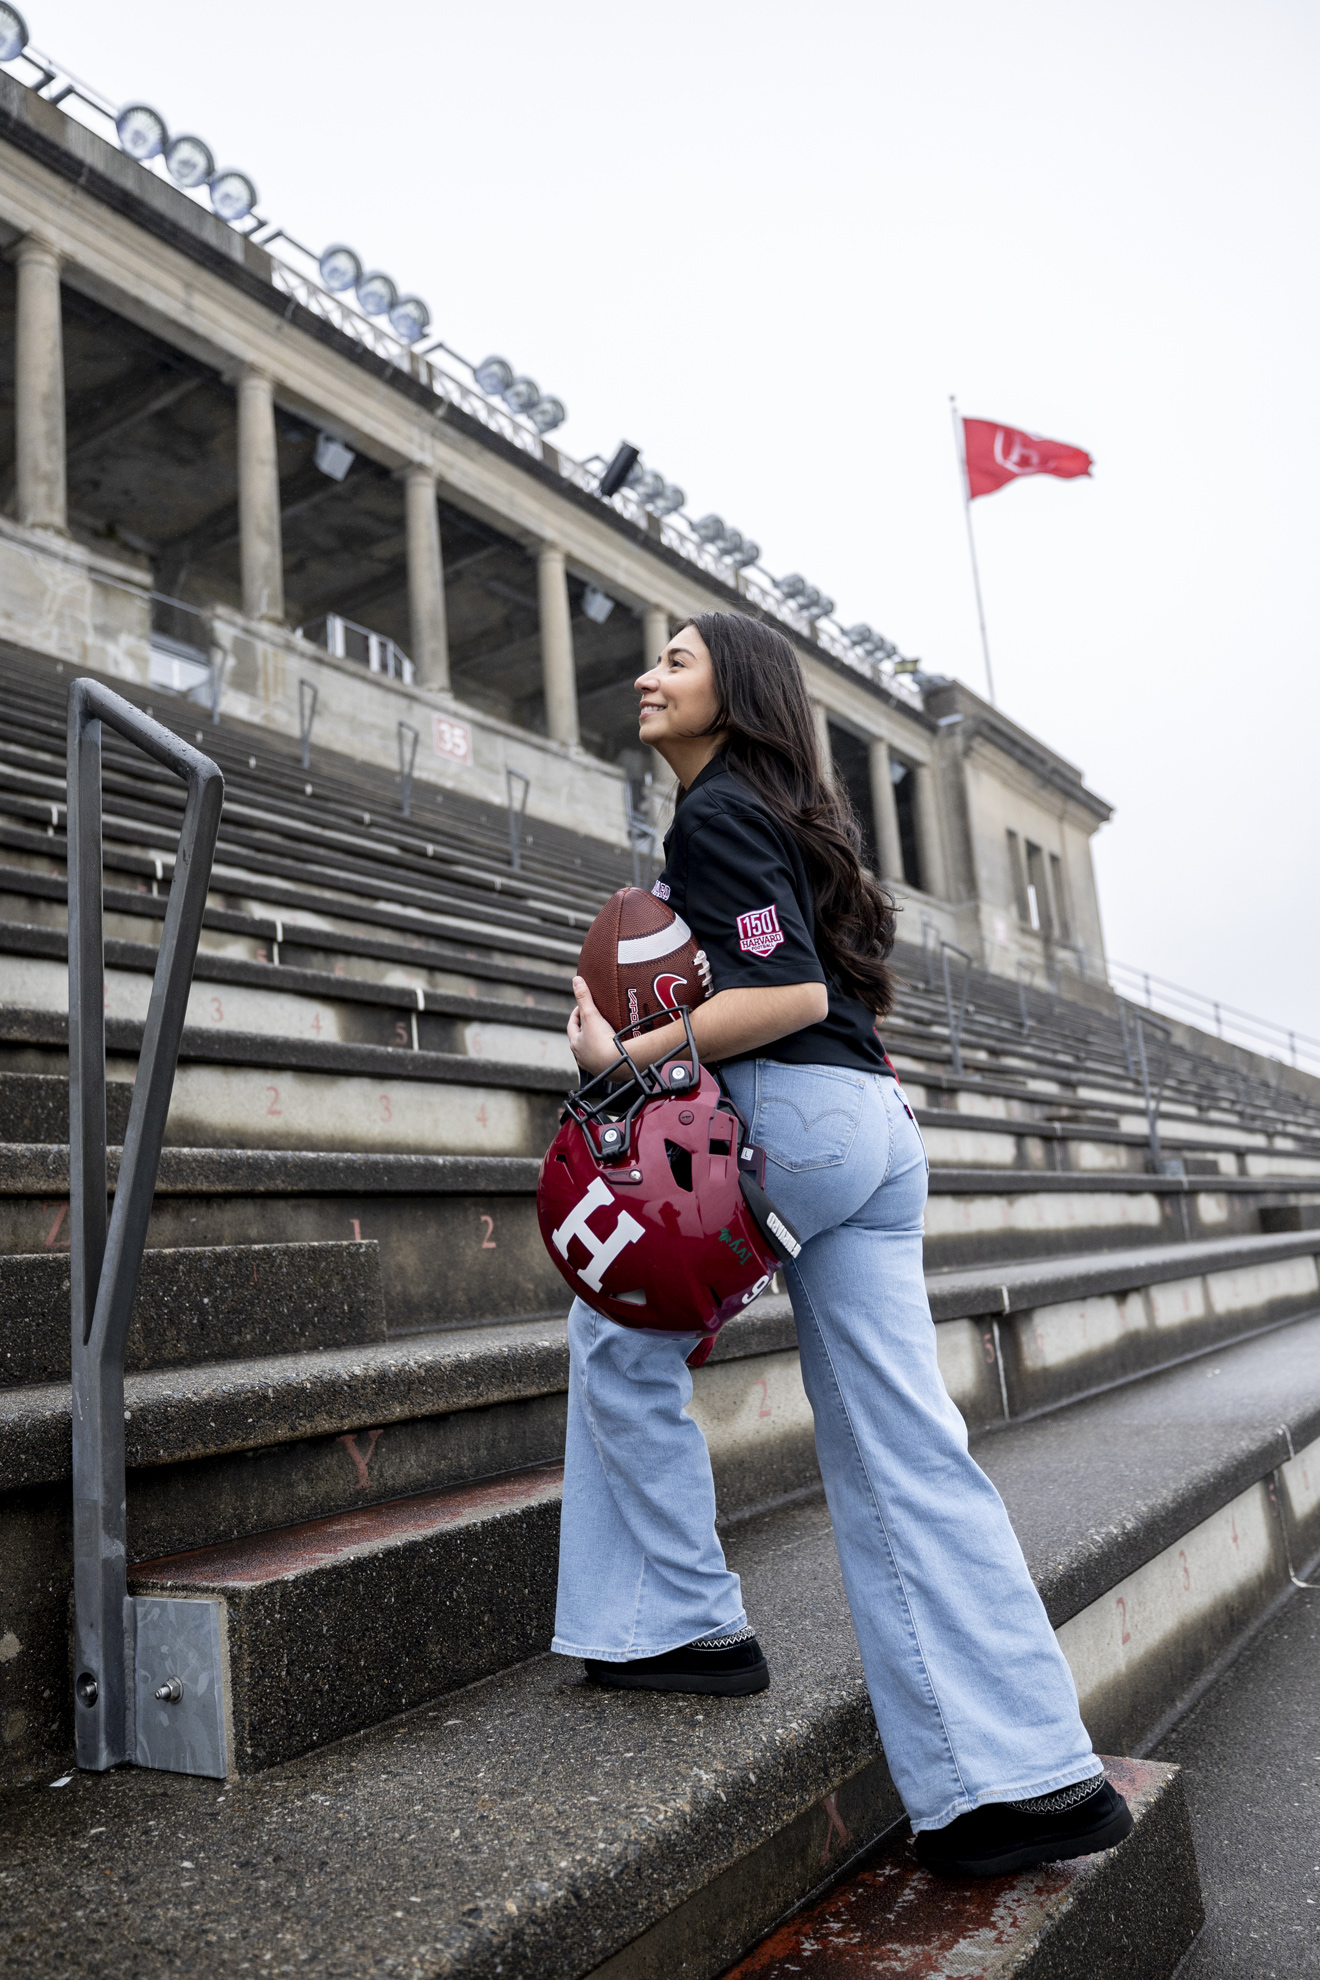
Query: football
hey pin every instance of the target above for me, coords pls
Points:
(639, 957)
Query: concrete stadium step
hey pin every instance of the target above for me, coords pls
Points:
(33, 905)
(199, 1305)
(1125, 1476)
(230, 994)
(1126, 1914)
(246, 1090)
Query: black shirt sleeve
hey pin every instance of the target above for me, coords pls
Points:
(742, 904)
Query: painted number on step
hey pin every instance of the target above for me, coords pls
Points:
(481, 1117)
(453, 739)
(1121, 1605)
(1186, 1571)
(386, 1111)
(53, 1240)
(217, 1011)
(488, 1242)
(764, 1387)
(274, 1106)
(356, 1222)
(401, 1035)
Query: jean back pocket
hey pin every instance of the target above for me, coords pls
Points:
(806, 1116)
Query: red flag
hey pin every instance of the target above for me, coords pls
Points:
(996, 454)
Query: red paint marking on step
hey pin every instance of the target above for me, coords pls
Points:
(292, 1550)
(836, 1826)
(53, 1232)
(350, 1444)
(356, 1222)
(893, 1918)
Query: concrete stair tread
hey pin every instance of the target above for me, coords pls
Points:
(1099, 1486)
(1032, 1282)
(542, 1825)
(1126, 1914)
(286, 1551)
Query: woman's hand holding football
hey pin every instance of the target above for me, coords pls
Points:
(590, 1039)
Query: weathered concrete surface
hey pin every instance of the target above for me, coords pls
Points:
(1251, 1773)
(34, 1106)
(203, 1304)
(1127, 1914)
(531, 1825)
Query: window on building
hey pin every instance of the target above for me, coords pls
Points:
(905, 802)
(1062, 915)
(852, 763)
(1019, 879)
(1038, 892)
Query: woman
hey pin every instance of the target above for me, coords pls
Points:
(975, 1703)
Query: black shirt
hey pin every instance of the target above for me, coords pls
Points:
(736, 877)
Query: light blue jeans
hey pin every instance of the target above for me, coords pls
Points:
(972, 1695)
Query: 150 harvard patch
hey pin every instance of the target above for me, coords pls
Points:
(759, 933)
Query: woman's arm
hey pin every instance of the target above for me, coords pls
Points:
(730, 1022)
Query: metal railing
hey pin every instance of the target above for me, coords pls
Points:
(347, 640)
(106, 1255)
(958, 1019)
(1258, 1034)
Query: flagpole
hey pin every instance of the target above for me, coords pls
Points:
(959, 439)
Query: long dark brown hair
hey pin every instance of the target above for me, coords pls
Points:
(773, 748)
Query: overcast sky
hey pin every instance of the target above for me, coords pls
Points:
(765, 243)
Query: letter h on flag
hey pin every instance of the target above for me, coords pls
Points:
(997, 454)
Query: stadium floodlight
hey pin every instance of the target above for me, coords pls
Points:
(140, 129)
(791, 586)
(626, 457)
(189, 162)
(820, 609)
(376, 294)
(597, 604)
(522, 395)
(750, 553)
(709, 529)
(233, 195)
(494, 375)
(646, 484)
(807, 598)
(861, 635)
(547, 414)
(729, 543)
(340, 269)
(668, 502)
(13, 33)
(409, 319)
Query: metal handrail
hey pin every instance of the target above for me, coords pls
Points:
(516, 814)
(105, 1262)
(1152, 1101)
(955, 1024)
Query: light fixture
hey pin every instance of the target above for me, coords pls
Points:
(140, 129)
(597, 604)
(646, 484)
(409, 319)
(807, 598)
(522, 395)
(547, 414)
(13, 33)
(494, 375)
(861, 635)
(376, 294)
(333, 457)
(791, 586)
(669, 501)
(189, 162)
(750, 553)
(233, 195)
(626, 457)
(709, 529)
(729, 543)
(340, 269)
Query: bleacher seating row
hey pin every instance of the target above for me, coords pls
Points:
(345, 1400)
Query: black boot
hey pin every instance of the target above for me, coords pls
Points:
(729, 1666)
(1004, 1836)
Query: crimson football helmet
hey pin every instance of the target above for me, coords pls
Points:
(651, 1198)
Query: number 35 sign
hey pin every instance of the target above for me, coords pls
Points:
(453, 739)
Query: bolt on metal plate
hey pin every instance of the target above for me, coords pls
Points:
(180, 1690)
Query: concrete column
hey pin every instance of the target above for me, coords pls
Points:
(822, 722)
(889, 847)
(930, 848)
(655, 638)
(557, 669)
(261, 552)
(426, 581)
(40, 483)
